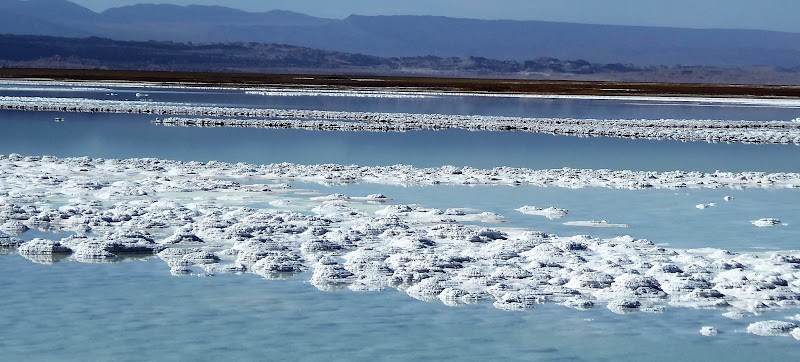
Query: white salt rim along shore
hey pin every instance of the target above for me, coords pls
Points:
(770, 132)
(740, 101)
(120, 208)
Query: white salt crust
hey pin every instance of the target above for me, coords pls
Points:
(132, 208)
(409, 175)
(770, 132)
(709, 331)
(549, 212)
(766, 222)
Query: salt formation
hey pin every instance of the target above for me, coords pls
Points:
(775, 132)
(705, 206)
(771, 328)
(709, 331)
(550, 212)
(6, 241)
(133, 208)
(595, 224)
(765, 222)
(361, 93)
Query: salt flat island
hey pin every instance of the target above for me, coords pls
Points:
(364, 231)
(780, 132)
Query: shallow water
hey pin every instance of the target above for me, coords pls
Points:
(137, 311)
(134, 311)
(127, 136)
(500, 106)
(667, 217)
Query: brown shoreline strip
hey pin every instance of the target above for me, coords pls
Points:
(444, 84)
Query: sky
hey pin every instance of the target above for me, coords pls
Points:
(780, 15)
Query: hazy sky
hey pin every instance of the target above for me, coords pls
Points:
(745, 14)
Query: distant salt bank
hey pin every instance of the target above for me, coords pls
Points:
(768, 132)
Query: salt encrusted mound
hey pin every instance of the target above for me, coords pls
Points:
(766, 222)
(329, 275)
(796, 333)
(184, 237)
(771, 328)
(111, 245)
(43, 247)
(709, 331)
(550, 212)
(7, 241)
(14, 227)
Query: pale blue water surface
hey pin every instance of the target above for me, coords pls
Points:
(136, 311)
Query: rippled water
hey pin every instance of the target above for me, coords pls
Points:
(136, 311)
(125, 136)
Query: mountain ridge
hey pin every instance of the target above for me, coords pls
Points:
(409, 35)
(31, 51)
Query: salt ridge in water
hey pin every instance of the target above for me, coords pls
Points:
(773, 132)
(406, 175)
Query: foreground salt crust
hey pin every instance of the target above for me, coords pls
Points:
(772, 132)
(181, 212)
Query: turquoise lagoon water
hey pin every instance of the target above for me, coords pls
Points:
(135, 310)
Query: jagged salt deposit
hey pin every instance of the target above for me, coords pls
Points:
(778, 132)
(772, 328)
(709, 331)
(550, 212)
(595, 224)
(766, 222)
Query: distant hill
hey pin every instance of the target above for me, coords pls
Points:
(408, 36)
(94, 52)
(33, 51)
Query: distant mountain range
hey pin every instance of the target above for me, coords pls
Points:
(35, 51)
(94, 52)
(408, 36)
